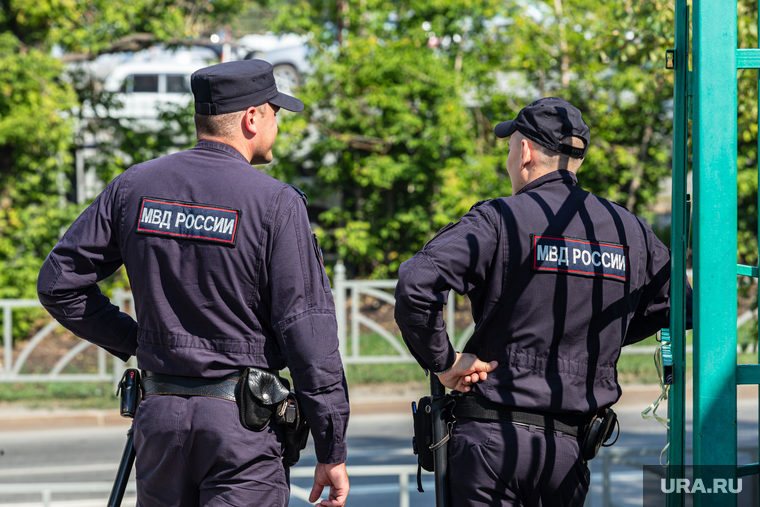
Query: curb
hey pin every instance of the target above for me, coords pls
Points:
(364, 401)
(30, 419)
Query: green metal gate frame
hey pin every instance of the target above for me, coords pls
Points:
(708, 94)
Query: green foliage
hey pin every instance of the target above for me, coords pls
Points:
(41, 103)
(397, 140)
(34, 144)
(94, 26)
(747, 336)
(747, 156)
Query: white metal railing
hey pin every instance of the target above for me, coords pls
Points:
(47, 489)
(401, 471)
(11, 370)
(349, 295)
(353, 324)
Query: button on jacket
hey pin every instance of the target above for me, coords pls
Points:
(225, 274)
(559, 281)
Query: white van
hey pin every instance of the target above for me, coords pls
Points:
(145, 88)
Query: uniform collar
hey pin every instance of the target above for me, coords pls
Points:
(215, 145)
(561, 176)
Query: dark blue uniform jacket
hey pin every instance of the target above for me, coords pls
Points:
(225, 274)
(559, 281)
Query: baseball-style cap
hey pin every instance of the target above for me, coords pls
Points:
(235, 86)
(546, 122)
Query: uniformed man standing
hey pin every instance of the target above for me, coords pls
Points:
(226, 274)
(559, 281)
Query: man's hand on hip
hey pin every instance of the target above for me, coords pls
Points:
(467, 370)
(334, 476)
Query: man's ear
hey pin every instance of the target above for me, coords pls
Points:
(525, 153)
(249, 121)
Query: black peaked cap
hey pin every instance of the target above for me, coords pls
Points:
(235, 86)
(547, 121)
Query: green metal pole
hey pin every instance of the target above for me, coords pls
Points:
(715, 224)
(679, 228)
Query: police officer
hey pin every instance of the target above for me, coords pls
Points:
(559, 281)
(226, 274)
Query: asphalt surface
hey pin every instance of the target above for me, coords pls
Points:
(75, 447)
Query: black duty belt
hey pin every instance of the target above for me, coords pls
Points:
(475, 407)
(159, 383)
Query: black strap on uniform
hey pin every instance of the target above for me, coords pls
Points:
(301, 193)
(474, 407)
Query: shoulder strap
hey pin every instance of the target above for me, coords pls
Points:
(479, 203)
(301, 193)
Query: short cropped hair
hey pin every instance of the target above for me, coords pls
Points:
(220, 126)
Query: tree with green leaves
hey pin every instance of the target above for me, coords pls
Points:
(748, 139)
(397, 139)
(41, 103)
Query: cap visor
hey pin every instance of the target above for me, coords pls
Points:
(505, 128)
(287, 102)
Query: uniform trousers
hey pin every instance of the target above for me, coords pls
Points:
(506, 464)
(193, 451)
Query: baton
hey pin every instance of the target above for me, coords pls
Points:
(441, 454)
(125, 468)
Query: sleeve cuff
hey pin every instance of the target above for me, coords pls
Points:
(332, 454)
(445, 361)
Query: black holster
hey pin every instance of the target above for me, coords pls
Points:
(291, 417)
(129, 388)
(262, 396)
(423, 444)
(598, 432)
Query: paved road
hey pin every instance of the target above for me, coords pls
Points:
(90, 454)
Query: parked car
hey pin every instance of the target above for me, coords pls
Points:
(287, 53)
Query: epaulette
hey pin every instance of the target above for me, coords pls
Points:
(618, 204)
(301, 193)
(479, 203)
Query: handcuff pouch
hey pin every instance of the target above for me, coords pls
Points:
(258, 394)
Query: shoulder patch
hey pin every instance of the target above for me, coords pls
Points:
(188, 220)
(579, 257)
(301, 193)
